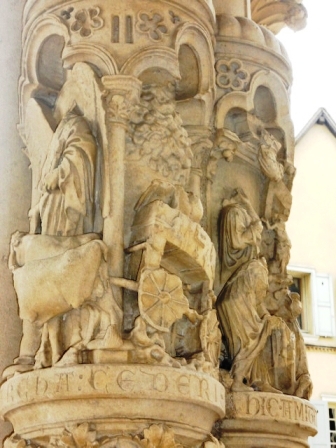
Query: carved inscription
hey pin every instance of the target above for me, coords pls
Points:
(116, 380)
(271, 406)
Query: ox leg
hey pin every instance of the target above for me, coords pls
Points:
(70, 355)
(42, 358)
(55, 333)
(30, 342)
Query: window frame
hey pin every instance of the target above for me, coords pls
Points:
(308, 294)
(330, 399)
(311, 306)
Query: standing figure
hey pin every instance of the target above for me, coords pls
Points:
(239, 234)
(66, 206)
(268, 153)
(282, 244)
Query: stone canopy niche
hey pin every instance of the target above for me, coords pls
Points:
(152, 285)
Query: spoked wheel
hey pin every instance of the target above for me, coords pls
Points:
(161, 299)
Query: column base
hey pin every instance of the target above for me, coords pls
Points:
(264, 420)
(114, 399)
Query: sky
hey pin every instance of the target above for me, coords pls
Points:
(312, 52)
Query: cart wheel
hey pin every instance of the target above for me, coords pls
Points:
(161, 299)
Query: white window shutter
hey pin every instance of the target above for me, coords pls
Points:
(324, 306)
(322, 438)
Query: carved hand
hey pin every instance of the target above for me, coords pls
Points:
(257, 226)
(193, 315)
(277, 323)
(51, 181)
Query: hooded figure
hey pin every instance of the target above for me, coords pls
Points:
(68, 177)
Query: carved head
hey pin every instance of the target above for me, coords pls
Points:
(15, 260)
(161, 97)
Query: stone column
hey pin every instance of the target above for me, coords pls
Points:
(122, 93)
(201, 146)
(238, 8)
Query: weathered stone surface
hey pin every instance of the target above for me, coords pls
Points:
(161, 151)
(266, 419)
(115, 398)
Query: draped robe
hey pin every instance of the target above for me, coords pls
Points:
(68, 209)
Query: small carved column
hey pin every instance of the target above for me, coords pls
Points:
(238, 8)
(201, 146)
(122, 93)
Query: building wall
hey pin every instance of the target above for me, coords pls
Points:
(311, 228)
(322, 367)
(14, 178)
(312, 222)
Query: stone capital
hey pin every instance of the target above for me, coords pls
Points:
(121, 94)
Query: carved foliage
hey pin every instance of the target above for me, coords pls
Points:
(157, 134)
(118, 107)
(86, 436)
(79, 437)
(159, 436)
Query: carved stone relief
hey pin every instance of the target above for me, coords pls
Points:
(277, 14)
(231, 75)
(153, 25)
(153, 278)
(85, 436)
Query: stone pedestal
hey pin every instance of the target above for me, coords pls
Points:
(118, 399)
(267, 420)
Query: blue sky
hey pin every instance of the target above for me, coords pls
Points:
(313, 55)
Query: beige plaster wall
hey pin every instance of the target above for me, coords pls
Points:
(312, 223)
(14, 177)
(312, 227)
(322, 366)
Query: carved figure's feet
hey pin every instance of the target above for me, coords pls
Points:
(16, 368)
(69, 358)
(111, 340)
(265, 387)
(239, 386)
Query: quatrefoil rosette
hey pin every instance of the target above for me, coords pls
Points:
(87, 21)
(231, 75)
(153, 25)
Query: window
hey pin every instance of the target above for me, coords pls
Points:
(317, 301)
(322, 438)
(296, 286)
(332, 426)
(326, 423)
(303, 284)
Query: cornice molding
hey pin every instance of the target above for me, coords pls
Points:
(320, 348)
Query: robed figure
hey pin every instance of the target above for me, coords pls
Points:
(67, 182)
